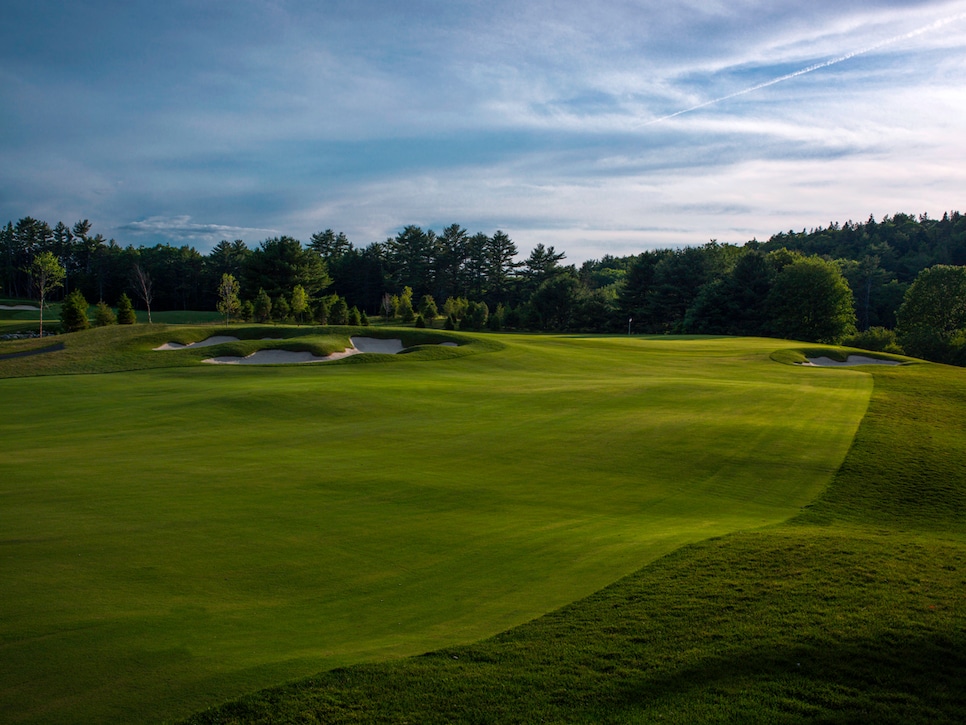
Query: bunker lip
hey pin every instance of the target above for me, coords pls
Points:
(850, 361)
(216, 340)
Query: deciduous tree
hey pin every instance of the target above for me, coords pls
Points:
(810, 300)
(300, 302)
(143, 287)
(47, 274)
(228, 302)
(932, 318)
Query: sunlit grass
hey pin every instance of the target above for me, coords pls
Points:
(851, 612)
(178, 536)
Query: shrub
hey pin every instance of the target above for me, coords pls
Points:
(876, 339)
(420, 322)
(355, 318)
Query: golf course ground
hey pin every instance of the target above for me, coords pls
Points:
(574, 528)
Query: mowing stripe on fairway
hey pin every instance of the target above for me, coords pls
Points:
(177, 537)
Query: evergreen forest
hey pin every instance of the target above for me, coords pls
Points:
(898, 284)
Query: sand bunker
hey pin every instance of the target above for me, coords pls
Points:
(276, 357)
(216, 340)
(851, 360)
(287, 357)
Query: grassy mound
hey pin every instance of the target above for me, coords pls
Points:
(179, 534)
(120, 348)
(851, 612)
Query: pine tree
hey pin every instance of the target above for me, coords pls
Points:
(104, 315)
(125, 311)
(263, 306)
(73, 312)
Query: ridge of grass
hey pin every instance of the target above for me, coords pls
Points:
(853, 611)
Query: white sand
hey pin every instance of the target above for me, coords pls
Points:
(287, 357)
(827, 362)
(31, 308)
(216, 340)
(373, 344)
(274, 357)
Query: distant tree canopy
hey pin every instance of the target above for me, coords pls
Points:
(932, 318)
(817, 285)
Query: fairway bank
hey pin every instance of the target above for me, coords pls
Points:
(218, 532)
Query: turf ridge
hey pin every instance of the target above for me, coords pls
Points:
(852, 611)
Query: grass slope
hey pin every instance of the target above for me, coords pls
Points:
(852, 612)
(177, 536)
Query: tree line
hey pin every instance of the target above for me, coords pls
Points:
(828, 284)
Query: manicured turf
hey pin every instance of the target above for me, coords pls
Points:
(179, 536)
(852, 612)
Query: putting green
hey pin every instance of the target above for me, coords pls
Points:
(173, 538)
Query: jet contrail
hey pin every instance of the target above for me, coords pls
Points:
(818, 66)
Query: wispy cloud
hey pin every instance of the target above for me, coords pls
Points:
(184, 229)
(609, 126)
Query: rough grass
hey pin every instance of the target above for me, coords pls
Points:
(175, 537)
(851, 612)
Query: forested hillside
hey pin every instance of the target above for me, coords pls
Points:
(825, 285)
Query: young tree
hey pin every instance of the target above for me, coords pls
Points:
(355, 319)
(339, 312)
(228, 302)
(476, 316)
(405, 310)
(125, 310)
(263, 307)
(386, 307)
(73, 312)
(427, 308)
(104, 315)
(47, 275)
(143, 287)
(281, 310)
(321, 309)
(300, 302)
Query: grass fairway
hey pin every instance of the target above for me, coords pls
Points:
(853, 611)
(173, 537)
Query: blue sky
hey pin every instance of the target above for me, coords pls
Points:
(599, 128)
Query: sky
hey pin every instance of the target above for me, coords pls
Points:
(598, 128)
